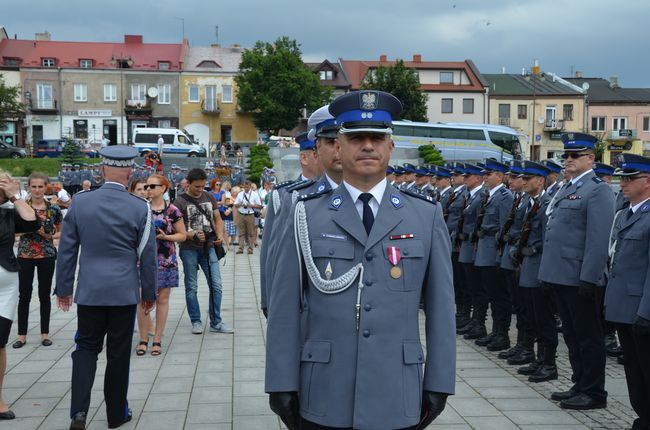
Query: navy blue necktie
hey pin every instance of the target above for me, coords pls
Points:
(630, 213)
(368, 217)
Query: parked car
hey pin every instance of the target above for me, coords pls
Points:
(51, 148)
(10, 151)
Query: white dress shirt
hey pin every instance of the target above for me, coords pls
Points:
(377, 194)
(251, 198)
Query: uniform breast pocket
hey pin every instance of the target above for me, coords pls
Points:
(407, 274)
(337, 254)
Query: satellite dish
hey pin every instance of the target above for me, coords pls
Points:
(152, 92)
(540, 120)
(585, 86)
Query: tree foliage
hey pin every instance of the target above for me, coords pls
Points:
(10, 107)
(403, 83)
(275, 85)
(430, 155)
(258, 159)
(71, 153)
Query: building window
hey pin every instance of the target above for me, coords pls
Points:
(110, 92)
(619, 123)
(326, 75)
(139, 93)
(468, 105)
(598, 123)
(193, 94)
(48, 62)
(44, 98)
(646, 123)
(164, 94)
(568, 112)
(80, 92)
(164, 123)
(210, 104)
(446, 77)
(163, 65)
(447, 105)
(86, 64)
(81, 129)
(522, 111)
(226, 94)
(504, 114)
(11, 61)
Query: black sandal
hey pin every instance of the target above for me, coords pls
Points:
(158, 352)
(141, 351)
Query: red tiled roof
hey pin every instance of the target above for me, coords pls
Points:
(145, 56)
(356, 71)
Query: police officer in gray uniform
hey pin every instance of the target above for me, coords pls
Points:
(627, 298)
(75, 179)
(111, 232)
(360, 257)
(554, 180)
(580, 219)
(488, 260)
(443, 184)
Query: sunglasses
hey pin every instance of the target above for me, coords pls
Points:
(572, 155)
(152, 186)
(632, 178)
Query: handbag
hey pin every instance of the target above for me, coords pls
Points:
(219, 249)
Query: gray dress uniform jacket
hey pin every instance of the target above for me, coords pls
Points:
(628, 290)
(455, 209)
(496, 213)
(444, 197)
(529, 272)
(577, 232)
(467, 251)
(513, 234)
(370, 377)
(107, 224)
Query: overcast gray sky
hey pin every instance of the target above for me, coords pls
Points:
(602, 38)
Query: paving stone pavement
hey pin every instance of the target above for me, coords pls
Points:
(216, 381)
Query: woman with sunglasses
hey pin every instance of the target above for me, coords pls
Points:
(37, 253)
(170, 228)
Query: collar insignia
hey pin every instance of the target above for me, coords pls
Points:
(396, 201)
(335, 202)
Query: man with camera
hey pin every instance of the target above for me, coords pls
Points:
(247, 203)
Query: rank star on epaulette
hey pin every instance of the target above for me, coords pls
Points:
(574, 197)
(283, 184)
(420, 196)
(301, 185)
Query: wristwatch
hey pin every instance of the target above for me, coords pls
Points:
(15, 197)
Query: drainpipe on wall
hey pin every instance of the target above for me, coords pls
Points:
(61, 106)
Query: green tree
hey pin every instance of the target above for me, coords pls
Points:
(259, 159)
(275, 85)
(71, 153)
(403, 83)
(10, 107)
(431, 155)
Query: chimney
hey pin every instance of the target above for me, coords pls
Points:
(235, 45)
(613, 82)
(417, 58)
(133, 38)
(43, 36)
(215, 45)
(383, 58)
(578, 74)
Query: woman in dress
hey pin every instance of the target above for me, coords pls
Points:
(16, 216)
(170, 228)
(37, 254)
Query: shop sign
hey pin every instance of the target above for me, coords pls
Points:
(95, 112)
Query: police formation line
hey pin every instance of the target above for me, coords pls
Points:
(354, 248)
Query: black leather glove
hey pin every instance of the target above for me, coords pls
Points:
(587, 290)
(285, 405)
(641, 326)
(432, 405)
(265, 311)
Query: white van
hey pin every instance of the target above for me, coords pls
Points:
(176, 142)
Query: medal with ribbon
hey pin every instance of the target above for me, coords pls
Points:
(394, 258)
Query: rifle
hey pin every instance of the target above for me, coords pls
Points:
(445, 210)
(525, 232)
(479, 218)
(501, 242)
(461, 222)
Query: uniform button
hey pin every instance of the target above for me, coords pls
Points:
(368, 282)
(330, 252)
(367, 307)
(405, 252)
(420, 357)
(309, 355)
(370, 256)
(366, 333)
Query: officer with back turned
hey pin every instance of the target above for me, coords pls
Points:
(111, 232)
(360, 257)
(580, 217)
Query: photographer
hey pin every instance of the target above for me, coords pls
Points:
(248, 203)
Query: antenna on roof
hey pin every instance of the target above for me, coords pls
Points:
(216, 31)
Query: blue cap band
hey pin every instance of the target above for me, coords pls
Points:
(534, 171)
(362, 115)
(635, 166)
(324, 124)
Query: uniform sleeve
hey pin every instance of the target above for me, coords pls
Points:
(283, 326)
(504, 209)
(600, 215)
(148, 264)
(440, 368)
(264, 251)
(66, 261)
(644, 304)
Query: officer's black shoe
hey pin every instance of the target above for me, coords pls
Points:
(483, 341)
(462, 329)
(621, 360)
(582, 402)
(462, 320)
(128, 418)
(558, 323)
(563, 395)
(524, 357)
(615, 351)
(476, 332)
(499, 343)
(530, 369)
(515, 350)
(546, 372)
(78, 421)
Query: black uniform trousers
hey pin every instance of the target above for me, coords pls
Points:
(308, 425)
(461, 293)
(583, 335)
(477, 292)
(95, 322)
(510, 277)
(499, 297)
(636, 350)
(539, 310)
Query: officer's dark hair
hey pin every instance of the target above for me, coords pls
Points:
(196, 174)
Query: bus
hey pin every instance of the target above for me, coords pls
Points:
(460, 142)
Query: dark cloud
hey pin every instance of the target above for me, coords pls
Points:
(598, 37)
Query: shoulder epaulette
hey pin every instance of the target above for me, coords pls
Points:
(300, 185)
(597, 180)
(504, 191)
(314, 195)
(420, 196)
(283, 184)
(86, 191)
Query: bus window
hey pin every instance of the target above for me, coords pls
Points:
(430, 132)
(505, 141)
(475, 135)
(453, 133)
(403, 130)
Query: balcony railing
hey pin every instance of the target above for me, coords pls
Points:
(210, 107)
(44, 106)
(137, 105)
(554, 124)
(623, 134)
(504, 121)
